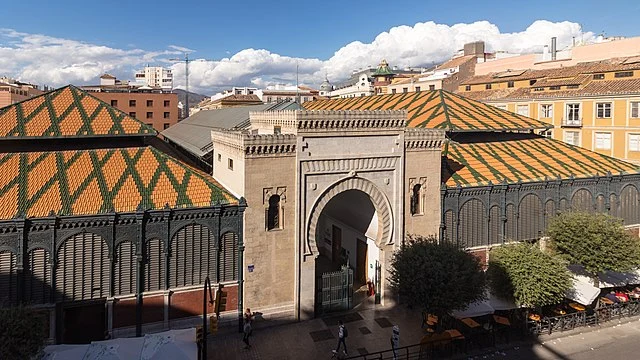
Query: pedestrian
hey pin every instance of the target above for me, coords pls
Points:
(248, 316)
(247, 333)
(395, 341)
(342, 336)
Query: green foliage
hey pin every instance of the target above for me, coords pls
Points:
(437, 278)
(21, 334)
(522, 272)
(598, 242)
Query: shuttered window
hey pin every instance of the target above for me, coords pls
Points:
(613, 205)
(192, 256)
(154, 266)
(529, 218)
(582, 200)
(629, 205)
(8, 279)
(510, 226)
(494, 226)
(601, 206)
(473, 224)
(125, 269)
(38, 282)
(449, 226)
(549, 212)
(229, 257)
(82, 270)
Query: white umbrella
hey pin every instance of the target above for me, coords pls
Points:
(66, 352)
(474, 309)
(582, 290)
(115, 349)
(174, 344)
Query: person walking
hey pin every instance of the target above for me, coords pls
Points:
(247, 333)
(395, 341)
(342, 336)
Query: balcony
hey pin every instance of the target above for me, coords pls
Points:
(571, 123)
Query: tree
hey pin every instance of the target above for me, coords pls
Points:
(522, 272)
(598, 242)
(21, 333)
(437, 278)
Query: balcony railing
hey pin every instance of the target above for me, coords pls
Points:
(574, 123)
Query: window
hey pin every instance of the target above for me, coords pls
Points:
(166, 125)
(538, 89)
(546, 110)
(417, 88)
(277, 130)
(555, 87)
(523, 110)
(149, 103)
(404, 90)
(132, 114)
(166, 114)
(573, 86)
(546, 133)
(149, 115)
(603, 141)
(603, 110)
(230, 164)
(531, 82)
(510, 84)
(132, 103)
(467, 88)
(167, 103)
(432, 87)
(635, 109)
(393, 91)
(416, 205)
(634, 142)
(622, 74)
(573, 113)
(598, 76)
(150, 124)
(114, 103)
(487, 86)
(219, 157)
(502, 106)
(273, 213)
(572, 137)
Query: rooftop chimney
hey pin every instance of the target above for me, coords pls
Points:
(553, 48)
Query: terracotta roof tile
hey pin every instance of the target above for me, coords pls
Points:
(437, 109)
(84, 182)
(525, 160)
(67, 112)
(456, 62)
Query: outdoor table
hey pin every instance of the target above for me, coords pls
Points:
(576, 306)
(501, 320)
(432, 319)
(604, 300)
(455, 334)
(534, 317)
(470, 322)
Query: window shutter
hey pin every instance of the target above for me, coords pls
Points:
(154, 266)
(8, 278)
(126, 269)
(229, 255)
(191, 253)
(38, 283)
(83, 268)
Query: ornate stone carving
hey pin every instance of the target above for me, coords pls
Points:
(348, 165)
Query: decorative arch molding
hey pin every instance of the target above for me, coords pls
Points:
(378, 198)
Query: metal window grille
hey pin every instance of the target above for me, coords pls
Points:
(83, 268)
(125, 269)
(229, 257)
(192, 256)
(39, 278)
(8, 279)
(154, 265)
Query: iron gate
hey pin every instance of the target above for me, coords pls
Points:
(337, 290)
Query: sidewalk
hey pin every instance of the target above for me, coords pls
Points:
(369, 331)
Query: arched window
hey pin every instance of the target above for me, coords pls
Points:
(630, 205)
(416, 204)
(229, 257)
(473, 224)
(39, 280)
(529, 218)
(154, 265)
(125, 269)
(273, 213)
(8, 278)
(193, 257)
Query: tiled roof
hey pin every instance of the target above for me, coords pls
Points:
(84, 182)
(436, 109)
(574, 80)
(526, 160)
(67, 112)
(456, 62)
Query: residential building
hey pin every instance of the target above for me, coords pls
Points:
(104, 231)
(232, 100)
(155, 77)
(370, 81)
(595, 105)
(280, 93)
(13, 91)
(153, 106)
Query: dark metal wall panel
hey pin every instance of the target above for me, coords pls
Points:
(582, 200)
(229, 257)
(511, 224)
(601, 205)
(495, 226)
(192, 252)
(473, 224)
(629, 205)
(549, 212)
(125, 269)
(83, 268)
(154, 266)
(39, 280)
(450, 226)
(530, 218)
(8, 279)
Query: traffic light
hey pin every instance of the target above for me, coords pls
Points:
(199, 334)
(220, 303)
(213, 324)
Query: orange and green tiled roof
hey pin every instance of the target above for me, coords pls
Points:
(67, 112)
(85, 182)
(525, 160)
(436, 109)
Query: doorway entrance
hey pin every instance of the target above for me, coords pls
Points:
(84, 323)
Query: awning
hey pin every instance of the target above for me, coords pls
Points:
(607, 279)
(582, 291)
(484, 307)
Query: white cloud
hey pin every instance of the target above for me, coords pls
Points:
(47, 60)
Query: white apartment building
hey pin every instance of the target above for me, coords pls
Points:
(155, 77)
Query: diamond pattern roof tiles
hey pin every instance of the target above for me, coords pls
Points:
(85, 182)
(525, 160)
(436, 109)
(67, 112)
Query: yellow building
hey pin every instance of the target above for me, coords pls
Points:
(595, 105)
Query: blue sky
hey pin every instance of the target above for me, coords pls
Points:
(296, 29)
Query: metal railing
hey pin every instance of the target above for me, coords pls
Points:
(572, 123)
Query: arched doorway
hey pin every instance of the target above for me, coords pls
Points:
(349, 228)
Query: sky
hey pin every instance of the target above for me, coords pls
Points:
(260, 43)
